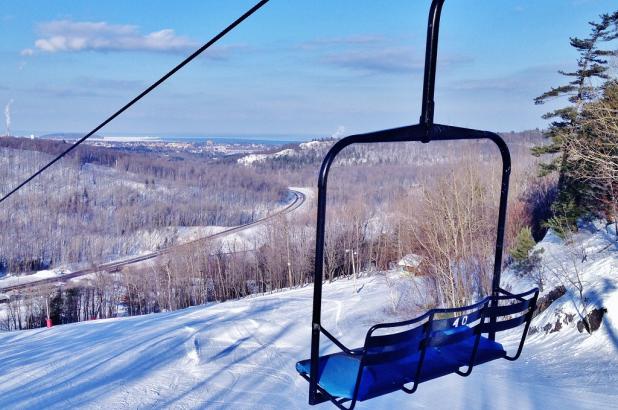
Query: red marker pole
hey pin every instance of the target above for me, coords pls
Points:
(48, 321)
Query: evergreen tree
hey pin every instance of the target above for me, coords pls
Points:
(56, 308)
(526, 261)
(584, 86)
(593, 153)
(523, 245)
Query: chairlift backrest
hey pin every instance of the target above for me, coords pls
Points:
(502, 316)
(394, 346)
(464, 323)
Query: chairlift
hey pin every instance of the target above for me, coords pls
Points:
(401, 355)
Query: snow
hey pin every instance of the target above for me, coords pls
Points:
(142, 242)
(10, 280)
(251, 158)
(146, 241)
(591, 255)
(255, 236)
(241, 354)
(285, 153)
(191, 233)
(410, 260)
(248, 239)
(309, 193)
(314, 145)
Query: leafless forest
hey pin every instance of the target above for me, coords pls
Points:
(438, 201)
(102, 204)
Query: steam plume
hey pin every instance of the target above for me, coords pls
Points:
(339, 133)
(7, 116)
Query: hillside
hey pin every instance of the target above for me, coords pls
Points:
(241, 354)
(104, 204)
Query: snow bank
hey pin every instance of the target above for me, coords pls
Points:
(191, 233)
(252, 158)
(315, 145)
(588, 261)
(12, 280)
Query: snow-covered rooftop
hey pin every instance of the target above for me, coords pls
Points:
(411, 260)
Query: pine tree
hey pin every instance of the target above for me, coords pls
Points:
(523, 245)
(584, 86)
(593, 153)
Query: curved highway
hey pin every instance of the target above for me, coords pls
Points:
(299, 200)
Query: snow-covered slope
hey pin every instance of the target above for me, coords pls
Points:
(586, 268)
(241, 355)
(311, 147)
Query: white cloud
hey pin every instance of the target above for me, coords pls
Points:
(73, 36)
(26, 52)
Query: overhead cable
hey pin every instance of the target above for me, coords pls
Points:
(142, 94)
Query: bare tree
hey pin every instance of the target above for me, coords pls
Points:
(455, 235)
(568, 272)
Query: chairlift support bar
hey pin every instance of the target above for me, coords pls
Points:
(431, 57)
(425, 132)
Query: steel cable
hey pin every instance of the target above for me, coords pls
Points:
(173, 71)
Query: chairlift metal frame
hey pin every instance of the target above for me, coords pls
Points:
(425, 131)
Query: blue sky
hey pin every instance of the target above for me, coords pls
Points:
(297, 67)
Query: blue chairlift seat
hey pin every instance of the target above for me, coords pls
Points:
(438, 343)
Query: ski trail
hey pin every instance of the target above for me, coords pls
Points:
(241, 355)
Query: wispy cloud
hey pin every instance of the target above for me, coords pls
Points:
(85, 86)
(73, 36)
(373, 54)
(65, 92)
(363, 39)
(394, 60)
(526, 81)
(388, 60)
(107, 83)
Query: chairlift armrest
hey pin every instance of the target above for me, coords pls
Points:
(341, 345)
(507, 293)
